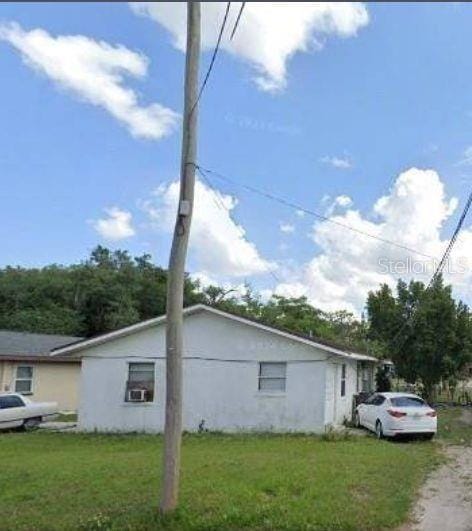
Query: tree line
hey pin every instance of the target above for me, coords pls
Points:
(424, 331)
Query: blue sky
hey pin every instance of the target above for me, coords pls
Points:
(392, 95)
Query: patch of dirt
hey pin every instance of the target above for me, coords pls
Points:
(445, 502)
(466, 416)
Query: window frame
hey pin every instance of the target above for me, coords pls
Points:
(30, 380)
(343, 379)
(262, 378)
(129, 382)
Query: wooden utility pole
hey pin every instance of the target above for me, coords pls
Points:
(176, 272)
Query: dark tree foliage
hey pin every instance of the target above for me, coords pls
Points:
(111, 289)
(383, 383)
(107, 291)
(427, 333)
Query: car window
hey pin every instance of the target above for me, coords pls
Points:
(371, 399)
(379, 400)
(407, 401)
(10, 401)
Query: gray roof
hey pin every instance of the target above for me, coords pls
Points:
(27, 345)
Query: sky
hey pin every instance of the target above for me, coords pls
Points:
(360, 113)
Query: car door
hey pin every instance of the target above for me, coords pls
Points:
(377, 410)
(12, 411)
(365, 411)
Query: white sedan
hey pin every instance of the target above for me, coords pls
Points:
(17, 411)
(395, 414)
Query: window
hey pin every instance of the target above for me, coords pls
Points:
(272, 376)
(140, 378)
(343, 379)
(24, 380)
(371, 400)
(364, 378)
(407, 401)
(7, 402)
(379, 400)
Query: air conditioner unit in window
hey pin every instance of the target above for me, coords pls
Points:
(137, 395)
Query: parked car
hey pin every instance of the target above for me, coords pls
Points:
(17, 411)
(396, 414)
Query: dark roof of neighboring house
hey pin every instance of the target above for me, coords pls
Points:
(28, 346)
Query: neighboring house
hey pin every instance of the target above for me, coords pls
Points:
(27, 367)
(239, 374)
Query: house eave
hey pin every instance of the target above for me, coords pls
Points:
(87, 343)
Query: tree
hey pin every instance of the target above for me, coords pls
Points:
(427, 334)
(109, 290)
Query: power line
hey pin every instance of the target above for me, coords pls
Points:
(219, 203)
(237, 20)
(438, 271)
(448, 250)
(213, 58)
(295, 206)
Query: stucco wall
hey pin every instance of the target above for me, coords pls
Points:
(339, 408)
(52, 382)
(222, 390)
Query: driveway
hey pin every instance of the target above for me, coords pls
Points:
(445, 502)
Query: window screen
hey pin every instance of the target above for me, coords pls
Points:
(140, 378)
(343, 379)
(272, 376)
(24, 380)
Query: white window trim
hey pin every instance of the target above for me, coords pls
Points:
(148, 403)
(31, 380)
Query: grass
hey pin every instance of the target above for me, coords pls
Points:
(66, 417)
(455, 425)
(90, 481)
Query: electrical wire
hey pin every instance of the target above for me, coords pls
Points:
(305, 210)
(219, 203)
(237, 20)
(452, 241)
(439, 269)
(213, 58)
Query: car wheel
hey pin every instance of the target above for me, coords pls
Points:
(31, 424)
(379, 430)
(428, 436)
(357, 420)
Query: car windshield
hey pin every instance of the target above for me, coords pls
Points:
(407, 401)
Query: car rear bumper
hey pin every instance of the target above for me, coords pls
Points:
(398, 432)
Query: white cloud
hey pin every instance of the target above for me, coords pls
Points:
(269, 33)
(300, 213)
(348, 264)
(341, 201)
(286, 228)
(341, 163)
(94, 71)
(117, 226)
(218, 244)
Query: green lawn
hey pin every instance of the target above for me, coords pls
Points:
(68, 481)
(66, 417)
(455, 425)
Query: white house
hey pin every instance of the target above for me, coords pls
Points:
(238, 375)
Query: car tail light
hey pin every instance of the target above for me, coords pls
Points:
(432, 414)
(396, 414)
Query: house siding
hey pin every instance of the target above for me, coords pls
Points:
(220, 380)
(52, 381)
